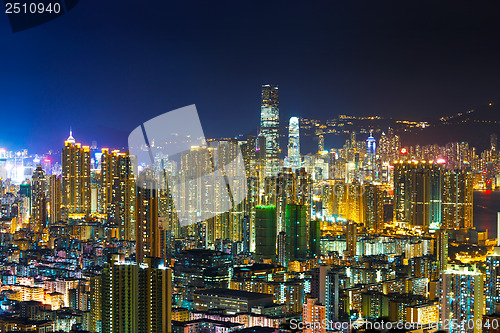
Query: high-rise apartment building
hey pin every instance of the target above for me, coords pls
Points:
(417, 193)
(351, 238)
(265, 232)
(457, 199)
(492, 287)
(54, 199)
(314, 316)
(147, 228)
(373, 202)
(39, 200)
(428, 196)
(442, 249)
(136, 298)
(118, 193)
(461, 300)
(296, 226)
(75, 177)
(107, 175)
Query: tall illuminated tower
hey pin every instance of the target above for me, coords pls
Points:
(54, 199)
(108, 173)
(124, 196)
(147, 228)
(75, 177)
(269, 126)
(117, 195)
(294, 143)
(371, 152)
(457, 199)
(39, 201)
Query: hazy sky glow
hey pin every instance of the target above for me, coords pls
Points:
(107, 66)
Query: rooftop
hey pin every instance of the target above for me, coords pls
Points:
(232, 293)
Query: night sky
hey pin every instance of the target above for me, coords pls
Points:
(107, 66)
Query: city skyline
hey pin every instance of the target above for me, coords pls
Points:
(240, 167)
(371, 229)
(345, 61)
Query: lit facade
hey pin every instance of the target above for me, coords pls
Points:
(461, 298)
(294, 160)
(269, 126)
(75, 178)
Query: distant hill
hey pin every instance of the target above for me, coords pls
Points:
(474, 126)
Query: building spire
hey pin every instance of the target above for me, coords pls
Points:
(70, 139)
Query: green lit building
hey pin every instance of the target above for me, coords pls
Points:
(296, 232)
(265, 232)
(314, 238)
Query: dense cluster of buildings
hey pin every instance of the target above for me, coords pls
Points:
(360, 233)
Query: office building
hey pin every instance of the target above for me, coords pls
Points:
(294, 160)
(269, 126)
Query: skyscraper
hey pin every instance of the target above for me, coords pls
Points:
(135, 298)
(493, 141)
(321, 143)
(39, 200)
(265, 232)
(121, 191)
(294, 144)
(371, 153)
(108, 171)
(442, 249)
(351, 238)
(373, 201)
(54, 199)
(269, 126)
(417, 193)
(492, 288)
(296, 232)
(492, 274)
(147, 228)
(461, 299)
(75, 177)
(315, 238)
(457, 199)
